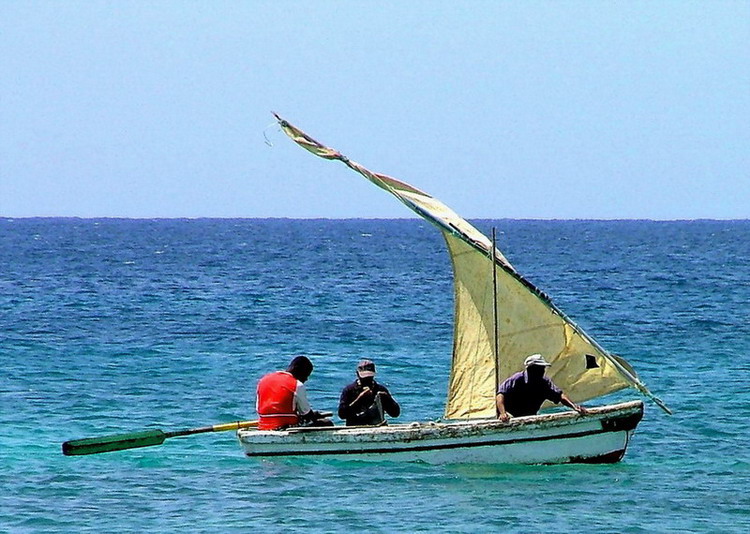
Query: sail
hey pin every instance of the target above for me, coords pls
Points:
(527, 321)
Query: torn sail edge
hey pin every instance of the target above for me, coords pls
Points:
(325, 152)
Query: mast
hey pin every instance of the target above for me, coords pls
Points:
(494, 312)
(541, 315)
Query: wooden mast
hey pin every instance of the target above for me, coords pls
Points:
(494, 311)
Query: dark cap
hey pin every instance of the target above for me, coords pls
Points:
(365, 368)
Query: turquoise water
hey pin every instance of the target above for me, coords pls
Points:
(117, 325)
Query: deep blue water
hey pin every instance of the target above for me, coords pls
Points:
(118, 325)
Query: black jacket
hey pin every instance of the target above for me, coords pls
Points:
(365, 410)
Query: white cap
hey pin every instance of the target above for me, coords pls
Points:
(535, 359)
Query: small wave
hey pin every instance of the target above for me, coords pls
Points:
(709, 323)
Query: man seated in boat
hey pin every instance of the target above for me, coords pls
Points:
(364, 401)
(281, 399)
(524, 392)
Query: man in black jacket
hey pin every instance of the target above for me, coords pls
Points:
(364, 401)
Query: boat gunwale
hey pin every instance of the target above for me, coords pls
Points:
(629, 414)
(416, 430)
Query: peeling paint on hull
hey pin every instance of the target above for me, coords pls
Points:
(600, 437)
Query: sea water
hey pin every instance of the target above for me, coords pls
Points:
(110, 326)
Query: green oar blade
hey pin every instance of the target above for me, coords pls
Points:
(115, 442)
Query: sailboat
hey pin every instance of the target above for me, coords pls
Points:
(500, 318)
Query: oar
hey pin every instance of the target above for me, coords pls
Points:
(147, 438)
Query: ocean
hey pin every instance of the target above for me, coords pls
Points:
(117, 325)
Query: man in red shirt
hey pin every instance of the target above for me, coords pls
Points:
(282, 399)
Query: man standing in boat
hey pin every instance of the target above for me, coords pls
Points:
(364, 401)
(282, 399)
(524, 392)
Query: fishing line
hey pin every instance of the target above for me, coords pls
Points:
(268, 142)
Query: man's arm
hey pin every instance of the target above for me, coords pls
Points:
(347, 396)
(390, 405)
(501, 413)
(354, 399)
(570, 404)
(301, 404)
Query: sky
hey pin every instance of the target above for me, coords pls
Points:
(538, 110)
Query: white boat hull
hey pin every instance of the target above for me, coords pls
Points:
(566, 437)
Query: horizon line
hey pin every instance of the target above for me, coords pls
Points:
(192, 218)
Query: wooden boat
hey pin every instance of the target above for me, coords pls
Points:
(565, 437)
(499, 319)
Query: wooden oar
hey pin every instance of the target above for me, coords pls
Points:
(147, 438)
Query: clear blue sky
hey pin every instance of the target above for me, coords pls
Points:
(500, 109)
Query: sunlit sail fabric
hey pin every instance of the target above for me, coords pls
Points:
(527, 322)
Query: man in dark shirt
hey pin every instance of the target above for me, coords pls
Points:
(524, 392)
(364, 401)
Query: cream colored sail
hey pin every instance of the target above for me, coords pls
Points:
(528, 322)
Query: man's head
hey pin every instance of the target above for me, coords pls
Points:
(535, 366)
(366, 371)
(300, 368)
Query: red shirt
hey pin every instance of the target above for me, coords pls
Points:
(276, 401)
